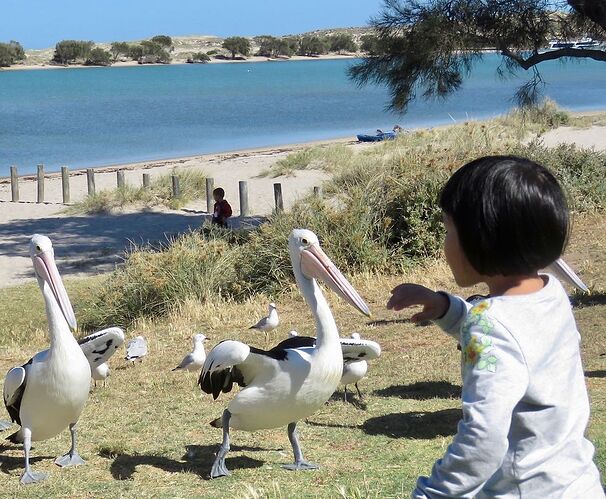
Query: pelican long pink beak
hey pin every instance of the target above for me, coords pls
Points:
(315, 264)
(46, 268)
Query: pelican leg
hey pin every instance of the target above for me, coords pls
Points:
(300, 464)
(29, 476)
(219, 469)
(345, 394)
(72, 458)
(359, 392)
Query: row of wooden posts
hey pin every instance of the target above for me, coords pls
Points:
(120, 181)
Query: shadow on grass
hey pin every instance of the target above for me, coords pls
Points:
(422, 390)
(582, 300)
(351, 400)
(11, 463)
(595, 374)
(417, 425)
(124, 466)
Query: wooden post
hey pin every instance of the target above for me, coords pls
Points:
(120, 179)
(243, 188)
(278, 197)
(40, 184)
(176, 187)
(14, 185)
(90, 181)
(318, 191)
(210, 187)
(65, 184)
(146, 181)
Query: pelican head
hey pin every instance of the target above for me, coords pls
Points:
(313, 263)
(43, 258)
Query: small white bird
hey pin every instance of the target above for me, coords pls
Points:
(136, 349)
(354, 367)
(194, 360)
(269, 323)
(292, 334)
(100, 373)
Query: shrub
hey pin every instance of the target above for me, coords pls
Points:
(119, 48)
(313, 46)
(237, 45)
(68, 51)
(342, 42)
(200, 57)
(10, 53)
(99, 57)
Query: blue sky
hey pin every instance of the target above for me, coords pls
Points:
(41, 23)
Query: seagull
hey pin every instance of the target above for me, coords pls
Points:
(194, 360)
(98, 348)
(48, 393)
(269, 323)
(100, 373)
(292, 334)
(136, 349)
(355, 365)
(295, 378)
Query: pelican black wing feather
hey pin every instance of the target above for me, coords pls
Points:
(220, 381)
(14, 407)
(279, 352)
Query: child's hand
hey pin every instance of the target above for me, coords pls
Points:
(434, 304)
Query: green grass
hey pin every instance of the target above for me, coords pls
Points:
(135, 434)
(191, 182)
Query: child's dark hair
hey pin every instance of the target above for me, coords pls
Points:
(510, 214)
(219, 192)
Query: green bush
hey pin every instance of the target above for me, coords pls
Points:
(99, 57)
(10, 53)
(69, 51)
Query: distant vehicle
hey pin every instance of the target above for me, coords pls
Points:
(583, 43)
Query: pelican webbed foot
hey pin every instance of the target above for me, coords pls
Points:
(218, 468)
(300, 466)
(30, 477)
(69, 459)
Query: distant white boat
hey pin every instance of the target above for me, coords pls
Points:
(583, 43)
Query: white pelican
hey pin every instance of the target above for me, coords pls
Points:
(268, 323)
(136, 349)
(355, 366)
(295, 378)
(194, 360)
(98, 348)
(49, 392)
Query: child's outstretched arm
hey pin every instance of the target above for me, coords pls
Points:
(446, 310)
(495, 378)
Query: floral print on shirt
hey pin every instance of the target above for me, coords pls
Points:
(477, 348)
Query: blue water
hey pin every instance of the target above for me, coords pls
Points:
(92, 117)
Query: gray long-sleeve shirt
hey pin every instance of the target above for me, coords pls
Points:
(525, 404)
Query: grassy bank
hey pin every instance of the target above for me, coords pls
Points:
(379, 215)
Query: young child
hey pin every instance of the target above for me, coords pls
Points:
(525, 405)
(222, 209)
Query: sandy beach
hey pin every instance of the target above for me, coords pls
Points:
(90, 244)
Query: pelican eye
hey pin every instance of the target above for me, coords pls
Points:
(38, 248)
(304, 241)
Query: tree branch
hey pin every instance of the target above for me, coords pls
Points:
(537, 58)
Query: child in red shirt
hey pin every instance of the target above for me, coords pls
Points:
(222, 210)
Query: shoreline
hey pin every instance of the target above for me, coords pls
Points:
(230, 153)
(181, 62)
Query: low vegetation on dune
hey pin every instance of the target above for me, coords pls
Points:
(379, 214)
(191, 182)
